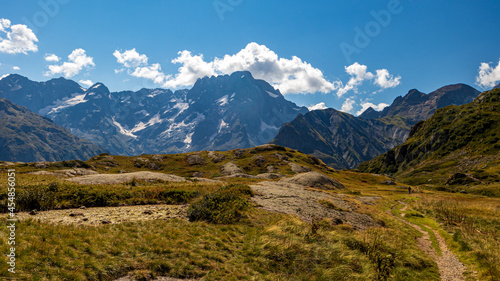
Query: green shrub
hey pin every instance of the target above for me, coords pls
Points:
(224, 206)
(35, 198)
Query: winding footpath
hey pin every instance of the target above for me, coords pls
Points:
(450, 267)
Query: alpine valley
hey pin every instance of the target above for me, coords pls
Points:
(344, 141)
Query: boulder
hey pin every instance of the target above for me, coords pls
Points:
(195, 159)
(299, 169)
(230, 168)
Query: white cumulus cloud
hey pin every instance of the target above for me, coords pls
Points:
(488, 75)
(152, 72)
(359, 73)
(77, 61)
(51, 58)
(291, 76)
(386, 80)
(16, 39)
(348, 105)
(16, 68)
(319, 106)
(87, 83)
(193, 67)
(365, 105)
(130, 58)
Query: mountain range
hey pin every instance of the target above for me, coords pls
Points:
(417, 106)
(223, 113)
(217, 113)
(344, 141)
(457, 145)
(28, 137)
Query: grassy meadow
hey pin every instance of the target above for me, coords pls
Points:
(227, 237)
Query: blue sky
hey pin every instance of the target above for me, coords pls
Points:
(392, 46)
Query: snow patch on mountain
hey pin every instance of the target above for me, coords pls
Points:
(222, 125)
(183, 128)
(188, 139)
(123, 131)
(223, 101)
(125, 99)
(143, 112)
(156, 92)
(273, 95)
(181, 106)
(264, 126)
(64, 103)
(141, 126)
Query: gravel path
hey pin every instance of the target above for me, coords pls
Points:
(450, 267)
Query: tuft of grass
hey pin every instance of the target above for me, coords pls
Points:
(224, 206)
(330, 205)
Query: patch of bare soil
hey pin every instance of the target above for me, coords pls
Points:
(293, 199)
(121, 178)
(450, 267)
(108, 215)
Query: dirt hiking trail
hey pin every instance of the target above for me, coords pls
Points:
(450, 267)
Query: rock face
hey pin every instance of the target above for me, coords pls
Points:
(29, 137)
(467, 136)
(218, 113)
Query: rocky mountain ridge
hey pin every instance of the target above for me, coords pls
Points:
(218, 113)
